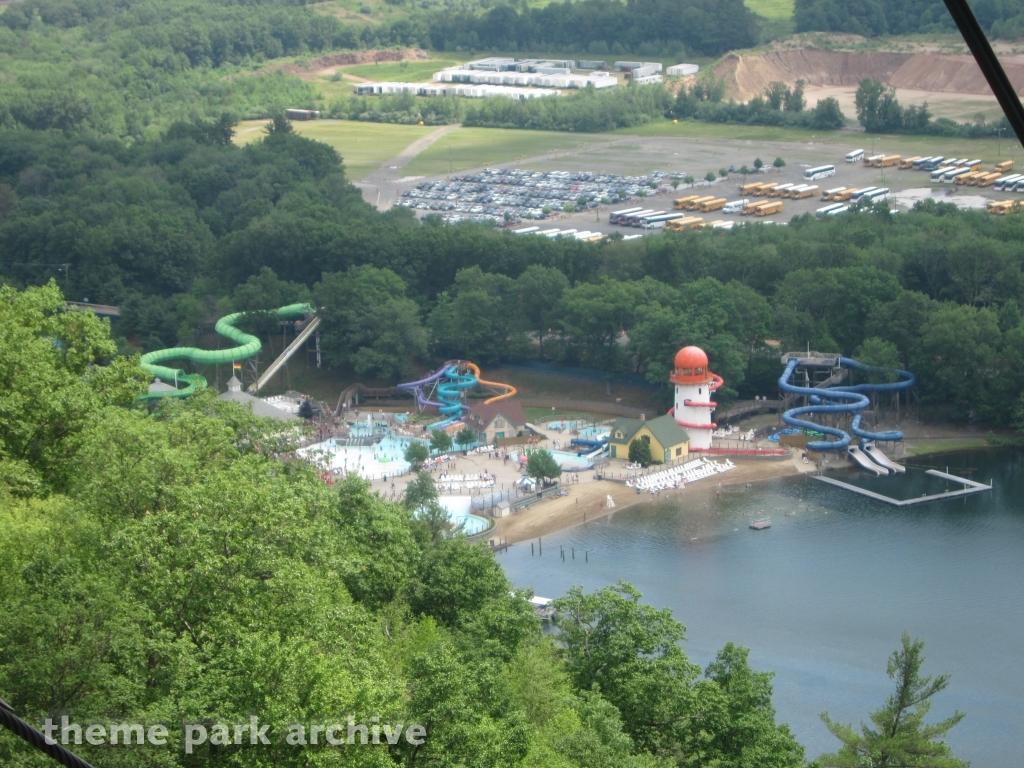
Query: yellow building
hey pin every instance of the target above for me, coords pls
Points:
(668, 440)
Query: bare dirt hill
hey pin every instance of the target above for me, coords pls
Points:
(747, 76)
(329, 64)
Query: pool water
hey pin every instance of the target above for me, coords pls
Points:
(571, 460)
(373, 462)
(595, 432)
(459, 513)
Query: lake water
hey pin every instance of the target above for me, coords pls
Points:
(822, 597)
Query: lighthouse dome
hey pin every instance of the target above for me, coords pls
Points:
(693, 358)
(691, 367)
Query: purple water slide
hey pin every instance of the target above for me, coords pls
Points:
(416, 387)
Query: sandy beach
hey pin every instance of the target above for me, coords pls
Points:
(587, 501)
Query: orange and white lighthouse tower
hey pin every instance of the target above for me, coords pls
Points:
(693, 404)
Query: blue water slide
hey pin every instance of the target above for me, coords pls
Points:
(449, 385)
(586, 445)
(449, 392)
(416, 387)
(850, 399)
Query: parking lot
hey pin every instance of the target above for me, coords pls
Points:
(503, 194)
(590, 183)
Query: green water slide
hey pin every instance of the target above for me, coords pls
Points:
(248, 345)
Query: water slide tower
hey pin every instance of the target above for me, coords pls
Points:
(693, 404)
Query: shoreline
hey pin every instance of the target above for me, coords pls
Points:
(586, 501)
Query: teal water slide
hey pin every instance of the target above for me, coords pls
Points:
(248, 346)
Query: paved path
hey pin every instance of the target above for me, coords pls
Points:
(379, 187)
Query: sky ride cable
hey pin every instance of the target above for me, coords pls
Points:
(248, 346)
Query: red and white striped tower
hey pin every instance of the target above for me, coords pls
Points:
(693, 405)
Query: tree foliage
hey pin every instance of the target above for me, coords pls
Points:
(898, 734)
(541, 465)
(640, 452)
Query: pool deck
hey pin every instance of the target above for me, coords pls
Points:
(970, 486)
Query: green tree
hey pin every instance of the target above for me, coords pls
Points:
(440, 441)
(794, 99)
(630, 652)
(475, 319)
(416, 452)
(640, 452)
(368, 322)
(689, 179)
(899, 735)
(744, 729)
(466, 436)
(709, 176)
(779, 163)
(775, 94)
(827, 115)
(674, 183)
(758, 163)
(877, 108)
(44, 412)
(542, 466)
(723, 172)
(538, 291)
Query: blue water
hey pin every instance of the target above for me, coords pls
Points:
(459, 513)
(822, 597)
(385, 458)
(570, 460)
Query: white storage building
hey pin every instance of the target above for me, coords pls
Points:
(681, 70)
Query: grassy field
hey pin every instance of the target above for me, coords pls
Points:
(771, 9)
(943, 445)
(692, 129)
(399, 71)
(363, 146)
(476, 147)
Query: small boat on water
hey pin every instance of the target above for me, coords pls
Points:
(761, 523)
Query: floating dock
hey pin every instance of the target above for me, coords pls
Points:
(970, 486)
(760, 525)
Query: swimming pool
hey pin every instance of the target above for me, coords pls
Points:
(373, 462)
(571, 460)
(595, 432)
(459, 513)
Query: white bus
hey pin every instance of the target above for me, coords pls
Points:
(875, 195)
(626, 220)
(859, 193)
(821, 172)
(1008, 181)
(938, 173)
(956, 173)
(828, 209)
(837, 211)
(853, 157)
(615, 216)
(735, 206)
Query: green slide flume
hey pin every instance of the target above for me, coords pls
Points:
(248, 345)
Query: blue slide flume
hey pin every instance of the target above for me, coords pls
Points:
(841, 400)
(449, 385)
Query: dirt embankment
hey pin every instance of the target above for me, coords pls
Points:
(747, 76)
(328, 65)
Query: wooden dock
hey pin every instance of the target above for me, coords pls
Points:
(970, 486)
